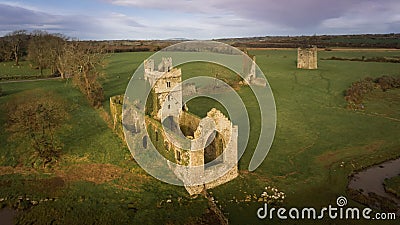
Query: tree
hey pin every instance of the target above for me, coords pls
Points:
(5, 50)
(17, 42)
(56, 44)
(37, 115)
(37, 50)
(84, 63)
(47, 51)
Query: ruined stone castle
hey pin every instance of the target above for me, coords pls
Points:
(213, 138)
(307, 58)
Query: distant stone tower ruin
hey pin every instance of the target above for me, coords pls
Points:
(307, 58)
(252, 78)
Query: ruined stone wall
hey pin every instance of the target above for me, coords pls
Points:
(222, 124)
(188, 123)
(165, 65)
(160, 140)
(307, 58)
(230, 175)
(229, 135)
(167, 98)
(116, 103)
(252, 78)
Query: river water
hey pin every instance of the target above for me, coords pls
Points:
(371, 179)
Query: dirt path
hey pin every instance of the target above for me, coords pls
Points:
(30, 80)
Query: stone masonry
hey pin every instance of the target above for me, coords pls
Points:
(307, 58)
(166, 83)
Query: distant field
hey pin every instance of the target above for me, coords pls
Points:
(10, 70)
(315, 133)
(318, 143)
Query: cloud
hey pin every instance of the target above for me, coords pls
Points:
(370, 17)
(288, 12)
(8, 16)
(15, 17)
(206, 19)
(305, 16)
(186, 6)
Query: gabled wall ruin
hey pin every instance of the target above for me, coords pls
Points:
(252, 78)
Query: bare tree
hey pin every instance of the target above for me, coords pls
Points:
(84, 64)
(47, 51)
(5, 50)
(56, 49)
(17, 41)
(38, 50)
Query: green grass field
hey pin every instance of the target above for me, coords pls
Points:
(318, 143)
(10, 70)
(84, 194)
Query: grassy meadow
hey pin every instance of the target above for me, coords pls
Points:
(318, 143)
(8, 70)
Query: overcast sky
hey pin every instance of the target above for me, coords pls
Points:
(199, 19)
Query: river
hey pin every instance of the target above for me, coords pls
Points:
(372, 178)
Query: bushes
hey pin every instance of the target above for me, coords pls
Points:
(36, 116)
(364, 59)
(387, 82)
(355, 94)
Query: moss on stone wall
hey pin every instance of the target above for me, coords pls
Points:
(116, 103)
(157, 137)
(188, 123)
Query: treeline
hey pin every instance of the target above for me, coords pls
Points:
(356, 93)
(63, 56)
(117, 46)
(321, 41)
(319, 44)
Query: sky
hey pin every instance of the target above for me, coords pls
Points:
(199, 19)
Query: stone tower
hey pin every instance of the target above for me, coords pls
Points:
(166, 83)
(307, 58)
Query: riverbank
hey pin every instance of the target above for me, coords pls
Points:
(367, 186)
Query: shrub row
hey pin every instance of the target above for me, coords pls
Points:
(364, 59)
(355, 94)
